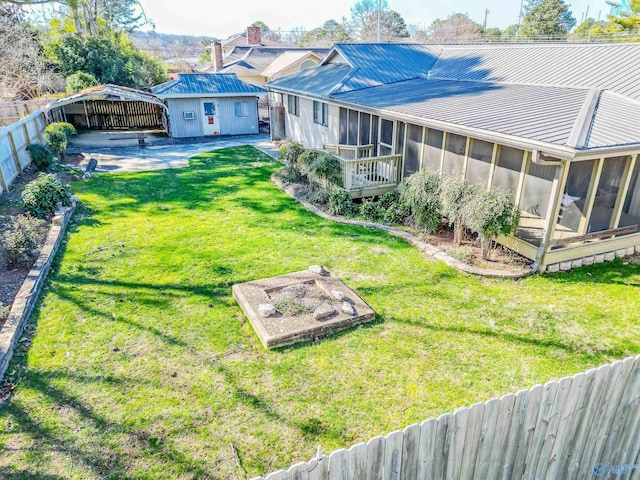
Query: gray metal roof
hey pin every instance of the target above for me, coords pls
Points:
(380, 63)
(522, 111)
(616, 121)
(318, 81)
(209, 84)
(603, 66)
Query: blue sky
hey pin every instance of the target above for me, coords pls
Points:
(221, 18)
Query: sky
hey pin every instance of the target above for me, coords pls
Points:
(217, 18)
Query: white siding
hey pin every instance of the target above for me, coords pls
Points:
(232, 125)
(302, 129)
(181, 128)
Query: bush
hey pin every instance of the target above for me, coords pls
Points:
(340, 203)
(57, 136)
(307, 159)
(455, 194)
(79, 81)
(325, 170)
(490, 214)
(371, 210)
(41, 196)
(422, 196)
(320, 196)
(23, 235)
(394, 210)
(289, 153)
(41, 156)
(4, 312)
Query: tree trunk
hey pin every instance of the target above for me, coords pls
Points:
(457, 232)
(485, 244)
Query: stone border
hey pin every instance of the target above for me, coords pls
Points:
(426, 248)
(590, 260)
(28, 294)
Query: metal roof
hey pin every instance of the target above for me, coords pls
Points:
(516, 110)
(616, 121)
(318, 81)
(380, 63)
(209, 84)
(604, 66)
(107, 92)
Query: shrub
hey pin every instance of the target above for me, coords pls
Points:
(57, 136)
(79, 81)
(41, 195)
(455, 194)
(326, 170)
(23, 235)
(490, 214)
(4, 312)
(371, 210)
(422, 196)
(289, 153)
(41, 156)
(320, 196)
(307, 159)
(340, 203)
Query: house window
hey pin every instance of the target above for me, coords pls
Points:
(292, 104)
(242, 109)
(320, 113)
(189, 115)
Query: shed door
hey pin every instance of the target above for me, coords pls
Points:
(211, 124)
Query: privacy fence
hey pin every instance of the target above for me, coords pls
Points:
(13, 146)
(13, 111)
(585, 426)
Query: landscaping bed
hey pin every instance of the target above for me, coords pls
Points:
(12, 276)
(138, 362)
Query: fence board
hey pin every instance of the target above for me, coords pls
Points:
(393, 456)
(471, 441)
(426, 449)
(410, 446)
(375, 457)
(358, 462)
(559, 430)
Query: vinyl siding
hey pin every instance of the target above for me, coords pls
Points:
(232, 125)
(302, 129)
(181, 128)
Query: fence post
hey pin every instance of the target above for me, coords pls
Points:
(3, 182)
(16, 157)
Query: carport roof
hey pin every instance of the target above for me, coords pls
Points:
(107, 92)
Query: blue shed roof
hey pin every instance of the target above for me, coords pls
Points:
(206, 84)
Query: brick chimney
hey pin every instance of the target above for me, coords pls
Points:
(216, 56)
(254, 37)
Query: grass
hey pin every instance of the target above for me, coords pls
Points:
(139, 364)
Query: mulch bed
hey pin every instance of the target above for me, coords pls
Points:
(12, 278)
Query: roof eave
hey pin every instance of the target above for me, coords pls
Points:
(170, 96)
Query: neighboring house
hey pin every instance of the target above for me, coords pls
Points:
(257, 62)
(210, 104)
(558, 125)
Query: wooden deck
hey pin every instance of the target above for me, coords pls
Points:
(364, 175)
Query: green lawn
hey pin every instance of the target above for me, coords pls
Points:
(141, 365)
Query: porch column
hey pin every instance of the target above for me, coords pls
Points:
(445, 137)
(557, 188)
(523, 174)
(467, 152)
(494, 161)
(624, 190)
(591, 196)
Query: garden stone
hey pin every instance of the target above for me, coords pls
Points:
(609, 256)
(91, 166)
(266, 310)
(348, 309)
(323, 311)
(319, 269)
(338, 294)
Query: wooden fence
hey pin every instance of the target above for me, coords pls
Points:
(13, 111)
(585, 426)
(13, 146)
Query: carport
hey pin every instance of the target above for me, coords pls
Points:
(110, 107)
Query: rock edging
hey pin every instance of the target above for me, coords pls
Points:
(426, 248)
(28, 294)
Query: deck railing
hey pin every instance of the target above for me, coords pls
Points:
(350, 152)
(369, 173)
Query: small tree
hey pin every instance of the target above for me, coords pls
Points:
(490, 214)
(57, 137)
(456, 194)
(422, 195)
